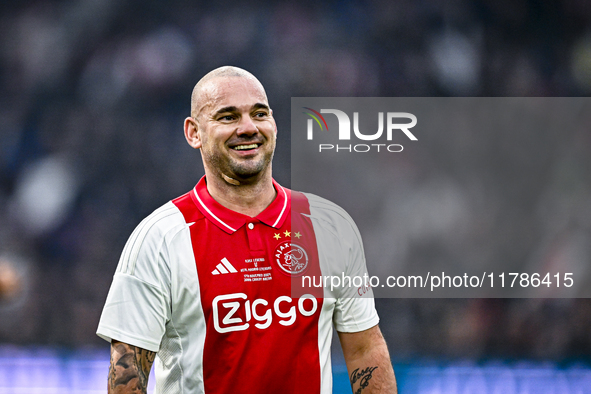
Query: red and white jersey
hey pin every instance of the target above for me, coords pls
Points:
(213, 292)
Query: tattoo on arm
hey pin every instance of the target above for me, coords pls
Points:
(363, 376)
(130, 368)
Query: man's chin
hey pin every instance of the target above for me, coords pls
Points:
(246, 176)
(248, 172)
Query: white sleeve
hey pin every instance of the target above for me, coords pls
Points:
(341, 242)
(355, 307)
(138, 303)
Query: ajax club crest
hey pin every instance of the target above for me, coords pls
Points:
(291, 258)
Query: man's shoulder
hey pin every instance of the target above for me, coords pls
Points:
(147, 240)
(326, 214)
(161, 222)
(321, 207)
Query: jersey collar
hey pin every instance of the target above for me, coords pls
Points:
(230, 221)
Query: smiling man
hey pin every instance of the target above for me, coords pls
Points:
(205, 290)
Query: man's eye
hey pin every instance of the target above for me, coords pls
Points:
(227, 118)
(260, 114)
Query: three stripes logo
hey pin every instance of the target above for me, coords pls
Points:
(224, 268)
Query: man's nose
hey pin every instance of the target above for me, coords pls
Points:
(247, 126)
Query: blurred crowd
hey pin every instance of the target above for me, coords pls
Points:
(94, 94)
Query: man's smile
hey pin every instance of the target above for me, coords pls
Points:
(246, 147)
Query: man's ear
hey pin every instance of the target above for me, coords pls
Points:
(271, 113)
(192, 133)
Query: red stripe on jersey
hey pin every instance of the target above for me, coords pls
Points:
(260, 338)
(304, 246)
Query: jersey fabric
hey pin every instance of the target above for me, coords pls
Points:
(219, 294)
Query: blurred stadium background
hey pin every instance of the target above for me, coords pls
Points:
(94, 93)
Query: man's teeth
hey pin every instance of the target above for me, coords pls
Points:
(244, 147)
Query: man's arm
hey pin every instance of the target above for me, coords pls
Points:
(130, 368)
(368, 362)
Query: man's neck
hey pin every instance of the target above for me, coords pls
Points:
(246, 198)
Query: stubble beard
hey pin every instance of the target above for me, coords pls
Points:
(242, 170)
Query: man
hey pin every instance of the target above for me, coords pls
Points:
(208, 283)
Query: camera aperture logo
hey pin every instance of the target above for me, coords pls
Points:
(394, 124)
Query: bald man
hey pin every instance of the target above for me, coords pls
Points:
(205, 288)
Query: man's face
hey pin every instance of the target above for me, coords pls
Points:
(236, 127)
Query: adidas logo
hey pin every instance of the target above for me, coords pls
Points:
(224, 268)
